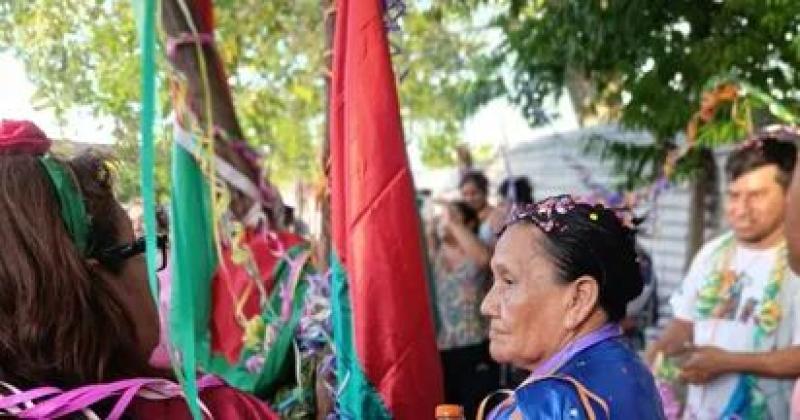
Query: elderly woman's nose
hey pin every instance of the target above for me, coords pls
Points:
(489, 304)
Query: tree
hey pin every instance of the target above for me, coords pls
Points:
(437, 62)
(644, 62)
(83, 54)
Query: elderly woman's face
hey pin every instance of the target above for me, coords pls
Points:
(526, 305)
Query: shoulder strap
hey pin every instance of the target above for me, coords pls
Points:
(482, 407)
(585, 394)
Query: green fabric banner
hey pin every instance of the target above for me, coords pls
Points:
(358, 399)
(145, 18)
(194, 261)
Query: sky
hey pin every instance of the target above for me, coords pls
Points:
(498, 122)
(15, 103)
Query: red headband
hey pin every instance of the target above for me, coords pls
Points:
(22, 137)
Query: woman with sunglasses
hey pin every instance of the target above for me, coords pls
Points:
(75, 306)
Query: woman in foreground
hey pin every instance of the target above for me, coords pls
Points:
(564, 272)
(78, 320)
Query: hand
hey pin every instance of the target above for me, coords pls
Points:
(704, 364)
(450, 216)
(651, 353)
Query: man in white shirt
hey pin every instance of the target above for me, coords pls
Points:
(737, 314)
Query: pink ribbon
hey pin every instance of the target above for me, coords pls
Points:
(61, 403)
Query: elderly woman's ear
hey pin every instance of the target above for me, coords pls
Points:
(581, 302)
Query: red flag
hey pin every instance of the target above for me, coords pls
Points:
(375, 228)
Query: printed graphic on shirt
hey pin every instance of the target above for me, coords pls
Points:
(733, 305)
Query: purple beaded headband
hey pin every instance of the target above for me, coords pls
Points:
(545, 214)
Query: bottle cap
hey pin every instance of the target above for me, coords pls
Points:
(449, 410)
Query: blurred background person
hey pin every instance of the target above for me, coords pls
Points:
(514, 190)
(474, 188)
(461, 277)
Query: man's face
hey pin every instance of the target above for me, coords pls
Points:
(756, 204)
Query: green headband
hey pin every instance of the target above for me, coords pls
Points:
(73, 211)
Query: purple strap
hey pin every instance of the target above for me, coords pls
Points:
(123, 402)
(552, 364)
(62, 403)
(24, 397)
(79, 399)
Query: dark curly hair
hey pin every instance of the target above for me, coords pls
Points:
(589, 240)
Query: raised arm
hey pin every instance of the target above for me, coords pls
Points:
(468, 241)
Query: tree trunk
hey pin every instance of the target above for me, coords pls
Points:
(580, 91)
(703, 193)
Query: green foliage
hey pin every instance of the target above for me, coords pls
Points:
(635, 163)
(438, 56)
(83, 53)
(438, 150)
(647, 61)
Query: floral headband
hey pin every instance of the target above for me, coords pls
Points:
(546, 213)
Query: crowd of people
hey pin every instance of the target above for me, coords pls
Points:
(542, 288)
(461, 240)
(734, 335)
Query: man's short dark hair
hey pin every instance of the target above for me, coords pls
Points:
(764, 152)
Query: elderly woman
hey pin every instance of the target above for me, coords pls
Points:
(564, 272)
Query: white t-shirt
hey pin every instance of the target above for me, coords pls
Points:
(734, 330)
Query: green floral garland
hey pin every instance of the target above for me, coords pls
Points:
(751, 400)
(715, 289)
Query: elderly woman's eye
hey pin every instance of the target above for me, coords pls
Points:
(507, 280)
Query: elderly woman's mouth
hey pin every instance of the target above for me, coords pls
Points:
(495, 333)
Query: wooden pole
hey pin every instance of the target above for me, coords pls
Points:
(213, 88)
(328, 7)
(325, 404)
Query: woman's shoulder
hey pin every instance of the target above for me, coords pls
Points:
(616, 374)
(615, 349)
(592, 365)
(222, 402)
(554, 397)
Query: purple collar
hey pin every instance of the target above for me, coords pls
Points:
(549, 366)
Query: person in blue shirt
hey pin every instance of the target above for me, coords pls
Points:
(564, 272)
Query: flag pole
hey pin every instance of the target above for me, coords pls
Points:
(324, 198)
